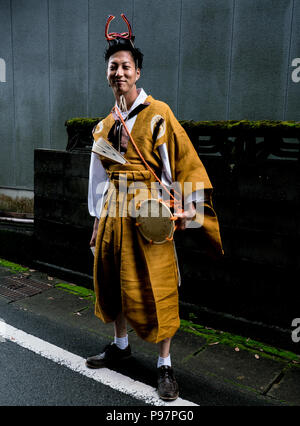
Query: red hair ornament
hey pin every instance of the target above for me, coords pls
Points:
(117, 36)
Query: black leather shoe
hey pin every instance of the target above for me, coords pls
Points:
(110, 356)
(167, 386)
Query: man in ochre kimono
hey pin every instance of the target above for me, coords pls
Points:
(134, 280)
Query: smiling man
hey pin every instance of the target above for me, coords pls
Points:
(135, 280)
(122, 75)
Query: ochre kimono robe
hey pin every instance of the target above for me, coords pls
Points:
(130, 274)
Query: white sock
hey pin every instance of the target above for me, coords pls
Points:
(121, 342)
(164, 361)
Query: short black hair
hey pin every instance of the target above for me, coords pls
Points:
(116, 47)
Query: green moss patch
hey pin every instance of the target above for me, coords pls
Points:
(241, 124)
(240, 343)
(14, 267)
(81, 124)
(82, 292)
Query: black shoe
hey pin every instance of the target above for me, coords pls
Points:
(167, 386)
(110, 356)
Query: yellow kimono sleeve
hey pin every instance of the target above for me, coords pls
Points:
(186, 166)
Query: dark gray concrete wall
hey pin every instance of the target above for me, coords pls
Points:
(209, 60)
(62, 225)
(7, 139)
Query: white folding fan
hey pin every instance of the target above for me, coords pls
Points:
(104, 148)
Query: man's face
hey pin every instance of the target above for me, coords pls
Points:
(122, 73)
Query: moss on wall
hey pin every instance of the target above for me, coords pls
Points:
(79, 129)
(81, 123)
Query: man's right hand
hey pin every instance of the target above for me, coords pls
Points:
(94, 234)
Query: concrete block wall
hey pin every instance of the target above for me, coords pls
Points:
(62, 224)
(257, 199)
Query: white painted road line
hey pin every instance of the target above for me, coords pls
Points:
(76, 363)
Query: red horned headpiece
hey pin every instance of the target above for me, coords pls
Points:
(115, 36)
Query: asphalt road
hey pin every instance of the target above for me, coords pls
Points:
(27, 378)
